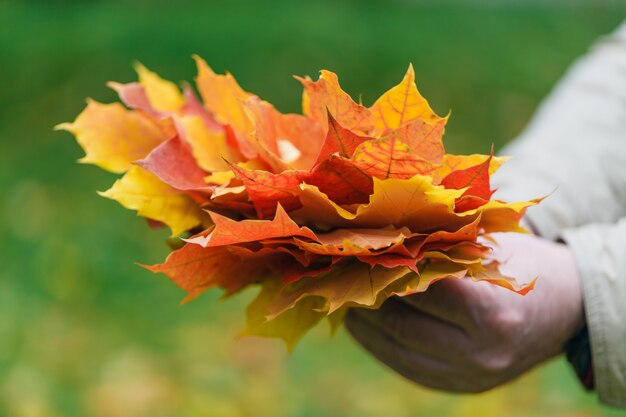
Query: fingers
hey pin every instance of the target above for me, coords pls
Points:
(417, 367)
(415, 330)
(449, 300)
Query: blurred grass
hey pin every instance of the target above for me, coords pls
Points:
(85, 332)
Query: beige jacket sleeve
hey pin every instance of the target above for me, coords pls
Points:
(575, 148)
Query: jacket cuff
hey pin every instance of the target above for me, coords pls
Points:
(578, 353)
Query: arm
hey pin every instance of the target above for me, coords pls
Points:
(576, 146)
(465, 336)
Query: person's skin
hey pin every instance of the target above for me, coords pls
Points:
(467, 336)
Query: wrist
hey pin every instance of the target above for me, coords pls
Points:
(578, 348)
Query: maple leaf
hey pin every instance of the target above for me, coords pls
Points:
(475, 181)
(415, 203)
(152, 94)
(366, 238)
(338, 178)
(498, 216)
(349, 284)
(164, 96)
(325, 96)
(341, 206)
(491, 274)
(173, 163)
(209, 147)
(227, 231)
(453, 163)
(267, 190)
(142, 191)
(195, 268)
(429, 275)
(401, 105)
(289, 326)
(283, 140)
(339, 140)
(389, 158)
(223, 97)
(113, 137)
(134, 96)
(422, 138)
(342, 180)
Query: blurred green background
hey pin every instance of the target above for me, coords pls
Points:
(85, 332)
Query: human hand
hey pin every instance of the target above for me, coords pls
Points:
(467, 336)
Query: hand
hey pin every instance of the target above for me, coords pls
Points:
(467, 336)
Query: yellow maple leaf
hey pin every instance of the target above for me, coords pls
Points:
(163, 95)
(208, 146)
(400, 105)
(113, 137)
(223, 97)
(289, 326)
(141, 191)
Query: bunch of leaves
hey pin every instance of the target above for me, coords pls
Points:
(342, 206)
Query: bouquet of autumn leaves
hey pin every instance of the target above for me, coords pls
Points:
(342, 206)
